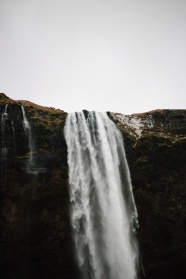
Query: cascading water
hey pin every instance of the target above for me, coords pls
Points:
(3, 132)
(103, 211)
(28, 131)
(13, 130)
(32, 167)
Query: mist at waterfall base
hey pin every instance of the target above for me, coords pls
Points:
(102, 207)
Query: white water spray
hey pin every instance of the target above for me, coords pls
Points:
(3, 132)
(103, 211)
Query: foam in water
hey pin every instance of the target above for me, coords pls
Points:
(103, 211)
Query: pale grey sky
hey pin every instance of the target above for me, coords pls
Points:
(120, 55)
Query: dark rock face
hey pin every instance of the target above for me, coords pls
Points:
(35, 234)
(157, 161)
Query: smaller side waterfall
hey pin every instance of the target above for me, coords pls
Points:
(3, 132)
(13, 131)
(28, 131)
(32, 167)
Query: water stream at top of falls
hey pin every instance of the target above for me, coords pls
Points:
(103, 211)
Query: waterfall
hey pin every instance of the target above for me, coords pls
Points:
(3, 132)
(103, 211)
(28, 131)
(13, 131)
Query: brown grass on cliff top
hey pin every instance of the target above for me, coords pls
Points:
(6, 100)
(49, 109)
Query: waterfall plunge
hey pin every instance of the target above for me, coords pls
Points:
(103, 211)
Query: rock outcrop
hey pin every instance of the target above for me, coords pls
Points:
(35, 234)
(156, 151)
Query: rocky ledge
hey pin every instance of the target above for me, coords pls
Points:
(35, 234)
(156, 150)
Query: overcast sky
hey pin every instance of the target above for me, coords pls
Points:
(120, 55)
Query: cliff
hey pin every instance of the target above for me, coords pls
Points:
(156, 151)
(35, 235)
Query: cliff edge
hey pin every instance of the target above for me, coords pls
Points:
(35, 234)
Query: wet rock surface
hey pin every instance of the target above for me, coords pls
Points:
(157, 160)
(35, 234)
